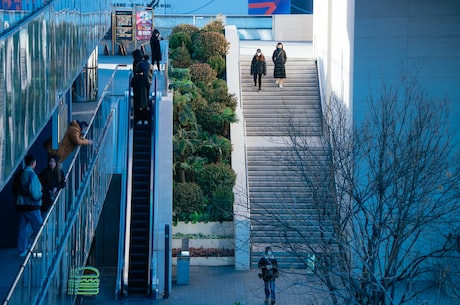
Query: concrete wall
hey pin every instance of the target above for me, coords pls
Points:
(390, 34)
(241, 203)
(359, 43)
(292, 27)
(333, 35)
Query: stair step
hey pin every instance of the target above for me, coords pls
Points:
(272, 174)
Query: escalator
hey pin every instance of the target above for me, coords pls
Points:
(140, 239)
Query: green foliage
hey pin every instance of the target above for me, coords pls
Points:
(183, 113)
(217, 92)
(189, 29)
(188, 201)
(180, 39)
(180, 57)
(215, 148)
(217, 62)
(211, 120)
(180, 74)
(180, 79)
(221, 203)
(202, 112)
(207, 44)
(202, 73)
(215, 175)
(217, 25)
(180, 235)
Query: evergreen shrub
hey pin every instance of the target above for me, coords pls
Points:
(180, 57)
(215, 175)
(207, 44)
(202, 72)
(188, 199)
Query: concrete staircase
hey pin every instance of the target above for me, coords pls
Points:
(285, 188)
(271, 111)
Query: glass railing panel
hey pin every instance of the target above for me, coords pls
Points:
(40, 58)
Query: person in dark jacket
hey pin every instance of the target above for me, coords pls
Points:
(28, 205)
(140, 86)
(52, 179)
(279, 59)
(146, 69)
(258, 67)
(137, 58)
(269, 267)
(156, 48)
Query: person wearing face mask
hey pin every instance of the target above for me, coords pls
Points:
(269, 268)
(258, 67)
(279, 59)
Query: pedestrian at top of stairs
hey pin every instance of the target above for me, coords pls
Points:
(279, 58)
(258, 67)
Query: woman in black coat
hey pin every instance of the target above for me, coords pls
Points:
(52, 179)
(279, 59)
(258, 67)
(156, 48)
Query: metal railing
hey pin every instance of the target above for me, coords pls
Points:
(63, 243)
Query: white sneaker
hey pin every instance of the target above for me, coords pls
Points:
(139, 123)
(277, 82)
(281, 86)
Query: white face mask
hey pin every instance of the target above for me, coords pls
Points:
(258, 54)
(269, 253)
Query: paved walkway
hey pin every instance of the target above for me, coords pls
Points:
(221, 285)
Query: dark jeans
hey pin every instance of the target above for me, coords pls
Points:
(258, 76)
(269, 288)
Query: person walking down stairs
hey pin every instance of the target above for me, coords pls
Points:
(279, 59)
(258, 67)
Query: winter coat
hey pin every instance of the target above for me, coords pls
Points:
(72, 138)
(279, 59)
(140, 91)
(269, 267)
(51, 179)
(137, 58)
(258, 65)
(146, 69)
(31, 183)
(155, 46)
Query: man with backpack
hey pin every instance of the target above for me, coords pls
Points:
(28, 204)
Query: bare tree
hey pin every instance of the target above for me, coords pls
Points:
(384, 197)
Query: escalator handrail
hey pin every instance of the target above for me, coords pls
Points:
(151, 281)
(125, 208)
